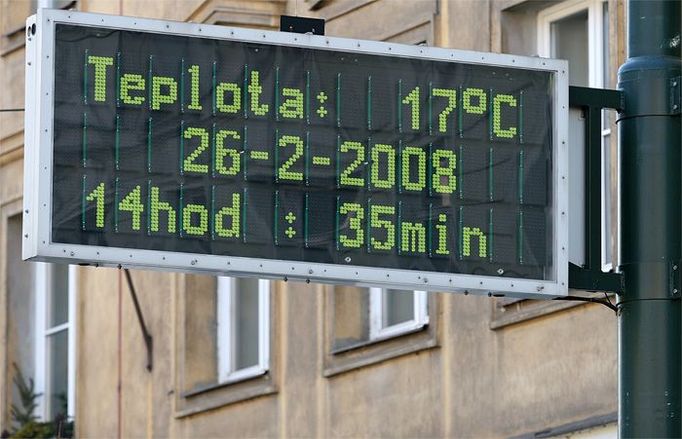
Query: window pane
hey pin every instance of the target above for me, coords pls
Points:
(58, 355)
(246, 323)
(608, 235)
(58, 298)
(570, 42)
(398, 306)
(605, 43)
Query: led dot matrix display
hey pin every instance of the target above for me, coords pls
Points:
(241, 149)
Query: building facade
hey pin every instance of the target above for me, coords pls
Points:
(256, 358)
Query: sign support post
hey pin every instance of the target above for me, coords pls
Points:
(650, 370)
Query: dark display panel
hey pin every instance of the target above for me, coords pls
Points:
(221, 147)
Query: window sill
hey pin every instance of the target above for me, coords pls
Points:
(212, 396)
(525, 310)
(198, 390)
(367, 353)
(13, 40)
(372, 342)
(414, 339)
(374, 353)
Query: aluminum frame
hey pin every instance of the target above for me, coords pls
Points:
(38, 181)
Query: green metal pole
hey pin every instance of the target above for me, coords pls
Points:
(650, 337)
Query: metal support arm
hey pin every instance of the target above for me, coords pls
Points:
(148, 340)
(590, 277)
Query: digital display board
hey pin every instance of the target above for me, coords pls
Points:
(239, 148)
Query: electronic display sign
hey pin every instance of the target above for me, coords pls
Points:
(272, 148)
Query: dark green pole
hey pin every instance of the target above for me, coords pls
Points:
(650, 360)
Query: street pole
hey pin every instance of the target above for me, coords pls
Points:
(650, 337)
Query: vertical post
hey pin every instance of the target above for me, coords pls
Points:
(650, 361)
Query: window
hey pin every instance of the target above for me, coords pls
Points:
(40, 340)
(396, 312)
(223, 353)
(578, 31)
(364, 326)
(55, 289)
(368, 315)
(243, 328)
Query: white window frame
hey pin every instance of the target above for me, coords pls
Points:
(227, 373)
(43, 281)
(377, 313)
(595, 38)
(595, 33)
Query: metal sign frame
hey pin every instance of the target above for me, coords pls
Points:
(38, 161)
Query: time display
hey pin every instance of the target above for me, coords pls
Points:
(221, 147)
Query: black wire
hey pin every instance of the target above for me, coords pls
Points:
(607, 303)
(7, 110)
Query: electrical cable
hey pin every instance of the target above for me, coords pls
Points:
(607, 303)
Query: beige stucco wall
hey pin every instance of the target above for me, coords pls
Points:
(475, 382)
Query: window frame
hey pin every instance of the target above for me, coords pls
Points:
(377, 307)
(595, 33)
(225, 291)
(43, 273)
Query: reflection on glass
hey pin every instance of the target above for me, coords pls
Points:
(398, 306)
(569, 42)
(58, 354)
(245, 323)
(606, 53)
(58, 297)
